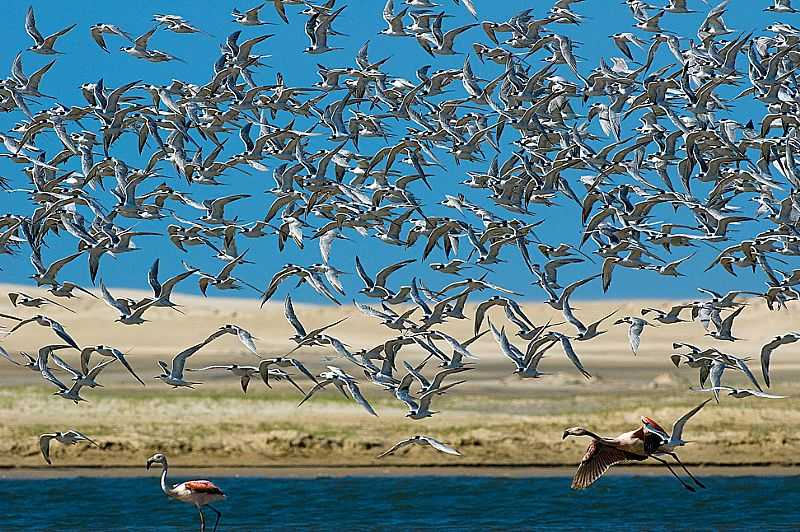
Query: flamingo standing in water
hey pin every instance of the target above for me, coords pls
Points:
(637, 445)
(199, 493)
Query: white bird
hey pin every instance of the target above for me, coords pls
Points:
(781, 6)
(43, 45)
(768, 348)
(106, 351)
(71, 393)
(22, 299)
(635, 330)
(128, 314)
(69, 437)
(421, 440)
(675, 438)
(246, 373)
(174, 375)
(739, 393)
(44, 321)
(244, 336)
(85, 379)
(98, 30)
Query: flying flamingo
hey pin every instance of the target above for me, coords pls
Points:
(199, 493)
(637, 445)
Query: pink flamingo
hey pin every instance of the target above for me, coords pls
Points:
(199, 493)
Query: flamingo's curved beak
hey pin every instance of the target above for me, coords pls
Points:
(564, 436)
(149, 463)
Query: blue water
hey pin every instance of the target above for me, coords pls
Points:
(407, 503)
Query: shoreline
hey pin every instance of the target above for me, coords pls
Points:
(319, 471)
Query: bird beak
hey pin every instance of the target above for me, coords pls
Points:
(564, 436)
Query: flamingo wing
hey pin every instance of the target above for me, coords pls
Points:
(203, 486)
(597, 460)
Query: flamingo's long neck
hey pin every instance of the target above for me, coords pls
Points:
(164, 487)
(594, 436)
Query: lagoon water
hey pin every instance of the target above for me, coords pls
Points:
(407, 503)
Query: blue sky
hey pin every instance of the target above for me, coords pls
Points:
(84, 62)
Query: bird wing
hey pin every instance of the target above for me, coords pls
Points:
(417, 372)
(222, 331)
(61, 333)
(567, 292)
(635, 335)
(179, 362)
(46, 373)
(765, 395)
(202, 486)
(383, 275)
(247, 340)
(20, 324)
(439, 446)
(288, 311)
(766, 354)
(436, 383)
(141, 40)
(225, 272)
(218, 205)
(140, 307)
(677, 428)
(110, 300)
(278, 7)
(315, 332)
(395, 447)
(51, 39)
(363, 274)
(30, 28)
(480, 312)
(359, 397)
(152, 279)
(597, 460)
(302, 369)
(44, 446)
(56, 266)
(121, 357)
(169, 284)
(317, 387)
(66, 367)
(97, 35)
(470, 6)
(80, 436)
(573, 320)
(5, 355)
(95, 371)
(206, 368)
(86, 354)
(727, 323)
(573, 356)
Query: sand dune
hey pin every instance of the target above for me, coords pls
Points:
(494, 418)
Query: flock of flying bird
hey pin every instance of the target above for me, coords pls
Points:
(543, 127)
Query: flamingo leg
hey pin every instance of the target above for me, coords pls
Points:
(219, 516)
(674, 474)
(675, 456)
(202, 520)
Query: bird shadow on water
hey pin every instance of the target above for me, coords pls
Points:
(411, 503)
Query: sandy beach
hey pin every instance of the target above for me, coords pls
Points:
(495, 419)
